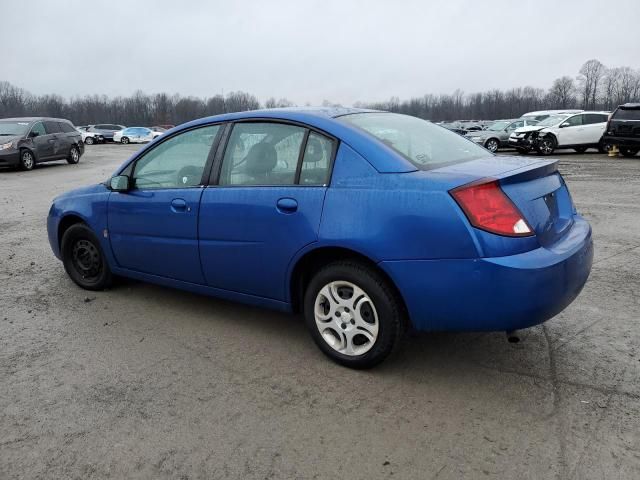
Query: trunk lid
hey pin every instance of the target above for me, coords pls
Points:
(534, 186)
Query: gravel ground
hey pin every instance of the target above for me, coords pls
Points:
(146, 382)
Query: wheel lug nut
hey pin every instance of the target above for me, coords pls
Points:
(337, 314)
(344, 325)
(353, 322)
(346, 309)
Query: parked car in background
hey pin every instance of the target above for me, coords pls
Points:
(497, 135)
(623, 129)
(157, 131)
(24, 142)
(367, 222)
(106, 130)
(133, 135)
(90, 137)
(542, 114)
(577, 131)
(166, 127)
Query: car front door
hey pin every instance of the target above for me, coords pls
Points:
(153, 228)
(266, 206)
(42, 141)
(571, 131)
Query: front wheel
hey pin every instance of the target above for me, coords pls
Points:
(124, 140)
(89, 141)
(546, 145)
(492, 145)
(74, 156)
(27, 160)
(629, 152)
(83, 259)
(354, 315)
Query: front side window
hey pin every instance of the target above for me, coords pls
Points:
(424, 144)
(38, 128)
(177, 162)
(262, 153)
(498, 126)
(316, 161)
(574, 121)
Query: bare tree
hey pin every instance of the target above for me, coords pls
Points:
(562, 92)
(590, 76)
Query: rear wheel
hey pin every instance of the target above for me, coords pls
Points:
(83, 259)
(546, 145)
(354, 315)
(74, 155)
(492, 145)
(27, 160)
(629, 152)
(124, 140)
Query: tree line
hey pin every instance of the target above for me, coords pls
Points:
(595, 87)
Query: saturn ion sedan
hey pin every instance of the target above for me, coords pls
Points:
(366, 222)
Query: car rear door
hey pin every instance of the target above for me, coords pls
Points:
(153, 228)
(594, 127)
(265, 207)
(42, 141)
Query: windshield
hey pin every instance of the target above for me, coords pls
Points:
(10, 129)
(424, 144)
(551, 121)
(499, 126)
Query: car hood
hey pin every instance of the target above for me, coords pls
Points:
(78, 192)
(12, 138)
(530, 128)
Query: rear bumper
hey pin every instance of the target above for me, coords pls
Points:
(633, 142)
(493, 294)
(10, 158)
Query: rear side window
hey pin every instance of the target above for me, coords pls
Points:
(52, 127)
(316, 161)
(424, 144)
(627, 114)
(591, 118)
(262, 153)
(66, 128)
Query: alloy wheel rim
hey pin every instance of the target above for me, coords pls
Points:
(492, 146)
(74, 155)
(86, 259)
(27, 160)
(546, 146)
(89, 141)
(346, 318)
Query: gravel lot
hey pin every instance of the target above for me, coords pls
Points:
(146, 382)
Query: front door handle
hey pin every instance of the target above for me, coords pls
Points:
(287, 205)
(179, 205)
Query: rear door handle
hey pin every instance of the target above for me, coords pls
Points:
(179, 205)
(287, 205)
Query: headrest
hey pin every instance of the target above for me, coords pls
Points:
(262, 158)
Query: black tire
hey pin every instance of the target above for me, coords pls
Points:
(604, 147)
(493, 144)
(629, 152)
(546, 145)
(83, 258)
(74, 156)
(580, 149)
(124, 140)
(27, 160)
(89, 141)
(387, 307)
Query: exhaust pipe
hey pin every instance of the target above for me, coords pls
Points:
(513, 336)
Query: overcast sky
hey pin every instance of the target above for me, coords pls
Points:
(307, 51)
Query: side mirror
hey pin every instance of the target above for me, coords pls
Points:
(564, 125)
(120, 183)
(33, 134)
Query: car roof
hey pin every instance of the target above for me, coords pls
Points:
(33, 119)
(630, 106)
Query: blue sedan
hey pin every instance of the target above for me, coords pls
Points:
(366, 222)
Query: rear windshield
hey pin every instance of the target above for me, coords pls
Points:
(421, 142)
(627, 114)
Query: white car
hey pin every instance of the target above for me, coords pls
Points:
(542, 114)
(90, 137)
(157, 131)
(133, 135)
(578, 131)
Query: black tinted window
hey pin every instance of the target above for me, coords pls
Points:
(590, 118)
(52, 127)
(627, 114)
(316, 160)
(66, 128)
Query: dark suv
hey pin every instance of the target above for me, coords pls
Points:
(623, 129)
(106, 130)
(27, 141)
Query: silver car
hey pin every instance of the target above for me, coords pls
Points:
(497, 134)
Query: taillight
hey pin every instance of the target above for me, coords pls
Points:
(488, 208)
